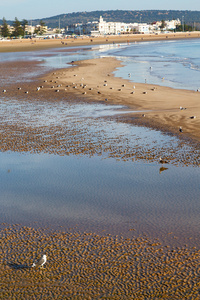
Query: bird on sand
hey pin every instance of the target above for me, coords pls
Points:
(180, 129)
(40, 262)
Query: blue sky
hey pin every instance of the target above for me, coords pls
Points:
(33, 9)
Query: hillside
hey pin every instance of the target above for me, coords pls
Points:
(127, 16)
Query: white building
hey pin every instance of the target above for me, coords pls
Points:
(119, 27)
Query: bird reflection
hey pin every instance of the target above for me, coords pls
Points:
(162, 169)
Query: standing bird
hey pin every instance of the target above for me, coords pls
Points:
(40, 262)
(161, 161)
(180, 129)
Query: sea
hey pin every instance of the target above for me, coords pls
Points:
(104, 192)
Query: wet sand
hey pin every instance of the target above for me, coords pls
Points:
(86, 265)
(90, 266)
(39, 44)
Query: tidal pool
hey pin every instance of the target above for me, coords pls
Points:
(95, 194)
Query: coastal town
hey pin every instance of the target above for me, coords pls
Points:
(94, 29)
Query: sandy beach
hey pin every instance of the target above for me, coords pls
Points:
(39, 44)
(159, 106)
(86, 265)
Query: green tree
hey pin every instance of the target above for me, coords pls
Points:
(162, 26)
(42, 28)
(4, 29)
(24, 23)
(18, 30)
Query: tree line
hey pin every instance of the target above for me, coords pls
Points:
(19, 28)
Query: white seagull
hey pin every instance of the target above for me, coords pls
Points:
(40, 262)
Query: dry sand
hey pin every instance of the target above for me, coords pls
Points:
(38, 44)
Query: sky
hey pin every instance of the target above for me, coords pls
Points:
(38, 9)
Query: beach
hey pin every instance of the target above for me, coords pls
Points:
(84, 264)
(94, 81)
(39, 44)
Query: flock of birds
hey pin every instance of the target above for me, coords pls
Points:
(42, 260)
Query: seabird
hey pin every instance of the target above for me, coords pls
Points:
(180, 129)
(181, 108)
(4, 91)
(193, 117)
(161, 161)
(40, 262)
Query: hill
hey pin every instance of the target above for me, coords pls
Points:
(127, 16)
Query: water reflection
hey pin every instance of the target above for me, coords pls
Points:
(99, 194)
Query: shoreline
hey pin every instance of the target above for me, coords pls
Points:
(40, 44)
(160, 105)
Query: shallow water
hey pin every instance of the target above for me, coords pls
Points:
(95, 194)
(114, 189)
(174, 64)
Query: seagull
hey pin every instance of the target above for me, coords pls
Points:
(180, 129)
(4, 91)
(181, 108)
(40, 262)
(193, 117)
(161, 161)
